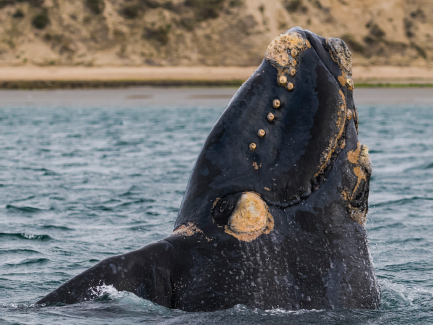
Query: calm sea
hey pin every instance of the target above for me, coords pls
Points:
(89, 174)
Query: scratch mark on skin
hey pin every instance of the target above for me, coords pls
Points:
(190, 229)
(187, 230)
(256, 166)
(215, 203)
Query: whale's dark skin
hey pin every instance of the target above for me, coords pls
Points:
(307, 246)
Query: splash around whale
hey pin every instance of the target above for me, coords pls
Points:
(274, 211)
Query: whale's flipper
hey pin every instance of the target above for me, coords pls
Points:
(144, 272)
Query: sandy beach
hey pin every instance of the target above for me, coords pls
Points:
(82, 77)
(184, 97)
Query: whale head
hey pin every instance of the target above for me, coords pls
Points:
(279, 194)
(281, 135)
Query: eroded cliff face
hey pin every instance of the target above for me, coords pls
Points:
(206, 32)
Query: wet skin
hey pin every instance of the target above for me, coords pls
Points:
(277, 224)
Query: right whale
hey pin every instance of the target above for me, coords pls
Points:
(275, 209)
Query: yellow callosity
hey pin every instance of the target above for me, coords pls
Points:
(362, 168)
(282, 80)
(270, 117)
(261, 133)
(283, 49)
(340, 53)
(290, 86)
(187, 230)
(364, 159)
(250, 219)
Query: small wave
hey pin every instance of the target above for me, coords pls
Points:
(396, 295)
(109, 293)
(420, 167)
(134, 189)
(74, 165)
(409, 266)
(49, 173)
(29, 261)
(34, 169)
(56, 227)
(376, 227)
(24, 236)
(272, 312)
(19, 250)
(23, 209)
(141, 227)
(142, 200)
(405, 241)
(402, 201)
(24, 199)
(18, 306)
(100, 208)
(424, 166)
(135, 175)
(58, 198)
(127, 143)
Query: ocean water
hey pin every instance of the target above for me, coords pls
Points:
(85, 175)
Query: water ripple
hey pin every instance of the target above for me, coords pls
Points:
(24, 236)
(81, 183)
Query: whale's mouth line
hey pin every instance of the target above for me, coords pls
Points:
(317, 181)
(337, 141)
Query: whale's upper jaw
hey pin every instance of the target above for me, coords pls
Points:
(280, 133)
(335, 54)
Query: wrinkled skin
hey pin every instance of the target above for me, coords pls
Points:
(309, 172)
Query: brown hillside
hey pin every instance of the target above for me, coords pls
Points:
(212, 32)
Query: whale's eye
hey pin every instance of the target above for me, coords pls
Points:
(224, 208)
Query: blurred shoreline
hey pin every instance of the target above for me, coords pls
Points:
(193, 97)
(54, 77)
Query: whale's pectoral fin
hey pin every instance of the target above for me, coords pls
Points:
(145, 272)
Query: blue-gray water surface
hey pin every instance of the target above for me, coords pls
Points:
(85, 175)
